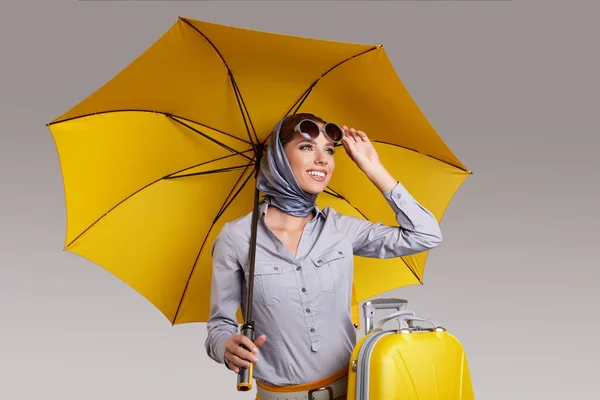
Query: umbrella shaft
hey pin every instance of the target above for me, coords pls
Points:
(248, 314)
(253, 234)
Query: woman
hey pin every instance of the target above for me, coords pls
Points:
(304, 261)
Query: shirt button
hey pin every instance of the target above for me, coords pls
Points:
(298, 268)
(303, 289)
(308, 310)
(312, 329)
(276, 268)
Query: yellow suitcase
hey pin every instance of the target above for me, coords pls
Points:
(418, 361)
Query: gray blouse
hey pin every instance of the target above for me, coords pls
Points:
(302, 303)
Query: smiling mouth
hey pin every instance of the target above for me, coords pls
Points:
(317, 175)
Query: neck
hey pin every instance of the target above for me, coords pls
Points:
(279, 220)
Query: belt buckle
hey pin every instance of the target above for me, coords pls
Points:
(327, 388)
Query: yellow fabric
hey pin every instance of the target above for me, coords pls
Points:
(117, 146)
(355, 310)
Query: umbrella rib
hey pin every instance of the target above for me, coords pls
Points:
(426, 155)
(152, 112)
(210, 127)
(309, 90)
(243, 108)
(204, 135)
(228, 203)
(238, 94)
(139, 190)
(207, 39)
(339, 196)
(302, 99)
(298, 102)
(213, 171)
(223, 208)
(304, 95)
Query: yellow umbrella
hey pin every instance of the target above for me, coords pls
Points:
(157, 159)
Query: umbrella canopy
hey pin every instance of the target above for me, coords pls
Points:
(157, 159)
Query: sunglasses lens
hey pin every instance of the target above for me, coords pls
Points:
(334, 132)
(310, 128)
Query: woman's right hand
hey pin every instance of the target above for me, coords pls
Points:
(237, 356)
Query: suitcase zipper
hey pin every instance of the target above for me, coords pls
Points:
(362, 364)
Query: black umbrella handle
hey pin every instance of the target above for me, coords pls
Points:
(244, 381)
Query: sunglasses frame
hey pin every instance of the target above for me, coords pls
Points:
(324, 130)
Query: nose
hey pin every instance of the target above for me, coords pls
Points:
(320, 158)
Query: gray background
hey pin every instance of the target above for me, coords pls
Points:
(512, 87)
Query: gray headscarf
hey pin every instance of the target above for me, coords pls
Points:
(277, 181)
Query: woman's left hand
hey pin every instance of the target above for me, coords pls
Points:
(360, 149)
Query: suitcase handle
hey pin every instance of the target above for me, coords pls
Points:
(398, 314)
(404, 317)
(436, 325)
(370, 306)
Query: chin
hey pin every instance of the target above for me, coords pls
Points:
(315, 189)
(318, 192)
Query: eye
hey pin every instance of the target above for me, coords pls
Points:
(306, 147)
(330, 150)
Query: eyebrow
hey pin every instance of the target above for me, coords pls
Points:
(311, 141)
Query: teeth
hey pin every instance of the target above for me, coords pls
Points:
(317, 173)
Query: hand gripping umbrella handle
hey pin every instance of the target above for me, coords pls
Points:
(244, 381)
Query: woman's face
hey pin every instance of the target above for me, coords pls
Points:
(312, 161)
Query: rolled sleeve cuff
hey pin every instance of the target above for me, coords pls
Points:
(220, 350)
(397, 193)
(398, 197)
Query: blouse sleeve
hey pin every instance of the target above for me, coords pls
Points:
(225, 295)
(418, 229)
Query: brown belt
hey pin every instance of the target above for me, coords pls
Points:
(332, 387)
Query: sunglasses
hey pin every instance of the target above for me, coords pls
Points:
(310, 130)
